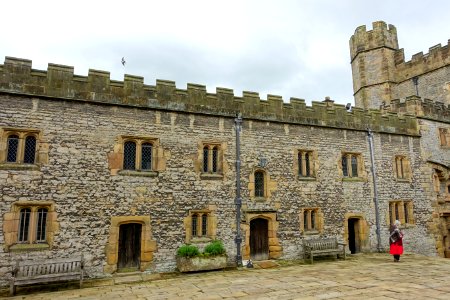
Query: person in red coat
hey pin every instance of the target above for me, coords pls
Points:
(396, 241)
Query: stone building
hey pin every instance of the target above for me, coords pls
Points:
(125, 172)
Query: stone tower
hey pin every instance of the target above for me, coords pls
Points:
(373, 64)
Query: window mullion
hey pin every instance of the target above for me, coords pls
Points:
(138, 155)
(210, 159)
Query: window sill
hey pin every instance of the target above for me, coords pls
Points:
(19, 167)
(302, 178)
(138, 173)
(29, 247)
(260, 199)
(211, 176)
(200, 239)
(353, 179)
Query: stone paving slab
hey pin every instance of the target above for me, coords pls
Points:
(367, 276)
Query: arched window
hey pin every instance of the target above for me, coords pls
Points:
(129, 156)
(215, 157)
(204, 224)
(41, 227)
(30, 150)
(344, 166)
(146, 156)
(259, 184)
(308, 171)
(194, 224)
(24, 224)
(354, 166)
(205, 159)
(13, 146)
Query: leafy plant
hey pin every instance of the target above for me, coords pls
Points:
(188, 251)
(215, 248)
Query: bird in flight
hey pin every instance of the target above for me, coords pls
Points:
(123, 61)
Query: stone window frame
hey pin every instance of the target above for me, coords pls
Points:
(301, 173)
(310, 229)
(269, 185)
(41, 148)
(11, 226)
(349, 155)
(402, 210)
(211, 227)
(210, 173)
(444, 137)
(116, 158)
(402, 168)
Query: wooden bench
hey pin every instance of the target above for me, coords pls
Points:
(45, 271)
(322, 247)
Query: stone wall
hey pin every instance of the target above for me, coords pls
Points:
(80, 135)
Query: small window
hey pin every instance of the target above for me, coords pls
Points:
(129, 156)
(402, 169)
(211, 161)
(24, 224)
(305, 161)
(194, 224)
(138, 154)
(351, 165)
(198, 226)
(41, 225)
(259, 184)
(13, 148)
(30, 150)
(146, 156)
(402, 211)
(311, 220)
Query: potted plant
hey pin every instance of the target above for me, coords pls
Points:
(190, 259)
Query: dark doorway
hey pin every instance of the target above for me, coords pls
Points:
(353, 236)
(259, 239)
(129, 247)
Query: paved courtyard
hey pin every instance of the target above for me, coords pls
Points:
(365, 276)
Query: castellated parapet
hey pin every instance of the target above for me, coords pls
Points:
(381, 74)
(59, 82)
(381, 36)
(421, 107)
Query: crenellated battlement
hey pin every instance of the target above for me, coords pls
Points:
(437, 57)
(421, 107)
(382, 35)
(60, 83)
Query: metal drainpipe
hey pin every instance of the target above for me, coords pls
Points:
(375, 190)
(238, 200)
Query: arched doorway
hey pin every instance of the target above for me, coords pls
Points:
(129, 255)
(354, 241)
(259, 239)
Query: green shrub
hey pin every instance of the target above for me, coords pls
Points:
(188, 251)
(214, 248)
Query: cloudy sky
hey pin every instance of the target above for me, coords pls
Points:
(282, 47)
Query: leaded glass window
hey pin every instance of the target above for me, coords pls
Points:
(313, 219)
(205, 159)
(308, 173)
(215, 157)
(344, 166)
(354, 166)
(24, 224)
(13, 146)
(405, 209)
(300, 164)
(204, 225)
(194, 224)
(305, 219)
(129, 156)
(146, 157)
(41, 225)
(259, 184)
(30, 150)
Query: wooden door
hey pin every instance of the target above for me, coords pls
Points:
(129, 246)
(259, 239)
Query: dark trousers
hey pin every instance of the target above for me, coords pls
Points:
(396, 257)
